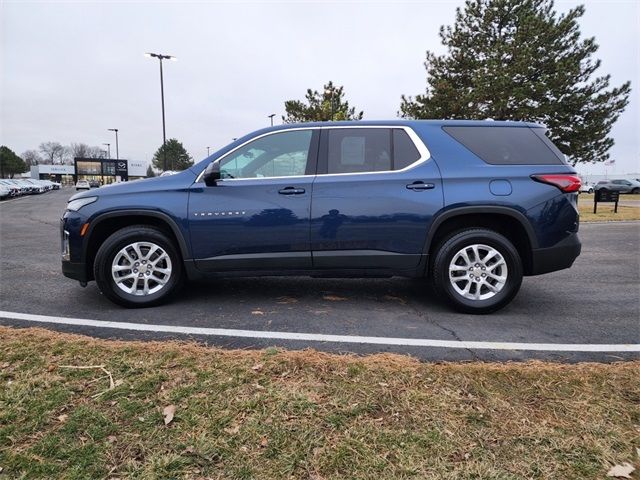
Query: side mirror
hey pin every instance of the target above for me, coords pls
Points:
(212, 174)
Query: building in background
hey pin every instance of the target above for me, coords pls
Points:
(103, 170)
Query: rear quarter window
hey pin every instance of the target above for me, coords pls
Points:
(508, 145)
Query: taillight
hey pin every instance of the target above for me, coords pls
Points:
(567, 183)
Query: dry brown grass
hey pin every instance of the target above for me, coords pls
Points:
(605, 210)
(303, 414)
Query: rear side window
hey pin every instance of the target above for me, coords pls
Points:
(353, 150)
(508, 145)
(404, 150)
(358, 150)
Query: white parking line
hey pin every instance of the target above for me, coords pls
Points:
(317, 337)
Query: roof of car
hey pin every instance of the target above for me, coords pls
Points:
(406, 122)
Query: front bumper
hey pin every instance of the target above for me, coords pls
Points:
(73, 265)
(76, 271)
(560, 256)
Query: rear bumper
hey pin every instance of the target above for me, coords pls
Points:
(77, 271)
(560, 256)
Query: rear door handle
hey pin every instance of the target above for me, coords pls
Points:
(419, 185)
(291, 191)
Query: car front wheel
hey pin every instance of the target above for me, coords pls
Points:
(477, 271)
(138, 266)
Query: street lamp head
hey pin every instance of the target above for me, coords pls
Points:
(160, 56)
(112, 129)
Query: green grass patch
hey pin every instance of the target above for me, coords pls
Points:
(309, 415)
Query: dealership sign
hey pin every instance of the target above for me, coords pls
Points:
(55, 169)
(137, 168)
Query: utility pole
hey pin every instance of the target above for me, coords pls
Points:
(117, 153)
(161, 57)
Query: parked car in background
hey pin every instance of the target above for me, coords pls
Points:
(94, 183)
(14, 189)
(619, 185)
(587, 187)
(5, 192)
(38, 186)
(83, 185)
(496, 201)
(27, 187)
(51, 185)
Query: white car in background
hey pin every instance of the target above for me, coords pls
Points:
(83, 185)
(587, 187)
(4, 192)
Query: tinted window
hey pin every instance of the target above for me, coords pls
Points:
(278, 155)
(354, 150)
(508, 145)
(404, 150)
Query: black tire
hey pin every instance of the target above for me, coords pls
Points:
(635, 191)
(445, 253)
(119, 240)
(590, 190)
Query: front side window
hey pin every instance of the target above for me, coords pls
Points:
(282, 154)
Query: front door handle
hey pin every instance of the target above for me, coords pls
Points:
(291, 191)
(419, 185)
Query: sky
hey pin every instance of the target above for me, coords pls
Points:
(69, 71)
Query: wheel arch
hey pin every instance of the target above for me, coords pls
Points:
(508, 222)
(106, 224)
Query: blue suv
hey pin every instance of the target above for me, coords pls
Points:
(472, 205)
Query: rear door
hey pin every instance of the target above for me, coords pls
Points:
(373, 198)
(257, 217)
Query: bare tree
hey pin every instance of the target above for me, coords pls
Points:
(95, 152)
(79, 150)
(82, 150)
(31, 157)
(53, 152)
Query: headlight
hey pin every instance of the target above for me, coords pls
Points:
(77, 204)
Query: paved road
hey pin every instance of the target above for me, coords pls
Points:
(595, 302)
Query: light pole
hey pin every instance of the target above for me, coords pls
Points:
(108, 149)
(161, 57)
(271, 117)
(115, 130)
(208, 151)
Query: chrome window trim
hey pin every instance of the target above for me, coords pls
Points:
(424, 152)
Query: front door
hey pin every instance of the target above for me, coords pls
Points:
(257, 216)
(373, 198)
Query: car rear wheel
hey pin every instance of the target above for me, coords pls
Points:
(477, 271)
(138, 266)
(635, 190)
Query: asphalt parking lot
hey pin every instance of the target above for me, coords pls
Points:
(595, 302)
